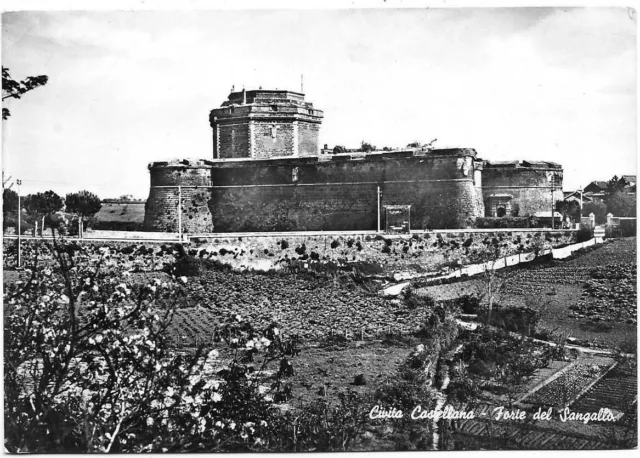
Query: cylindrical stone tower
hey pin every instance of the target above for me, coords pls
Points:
(179, 197)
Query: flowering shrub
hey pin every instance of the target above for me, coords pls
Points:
(87, 367)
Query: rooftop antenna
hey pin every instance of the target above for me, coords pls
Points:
(233, 87)
(302, 83)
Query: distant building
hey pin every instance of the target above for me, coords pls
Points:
(628, 180)
(596, 190)
(574, 196)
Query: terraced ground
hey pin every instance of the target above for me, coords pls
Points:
(524, 435)
(572, 302)
(570, 383)
(617, 390)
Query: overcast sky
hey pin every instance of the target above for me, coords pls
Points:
(129, 88)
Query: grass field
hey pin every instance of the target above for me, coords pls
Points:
(122, 213)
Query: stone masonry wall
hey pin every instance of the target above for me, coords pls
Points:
(312, 194)
(417, 253)
(341, 194)
(161, 208)
(234, 140)
(308, 139)
(529, 188)
(272, 139)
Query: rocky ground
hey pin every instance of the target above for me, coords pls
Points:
(310, 307)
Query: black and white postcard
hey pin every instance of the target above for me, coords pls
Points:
(319, 228)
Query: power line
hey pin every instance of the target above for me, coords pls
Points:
(65, 183)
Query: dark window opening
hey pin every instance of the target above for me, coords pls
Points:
(501, 212)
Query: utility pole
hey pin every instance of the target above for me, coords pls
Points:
(581, 192)
(379, 208)
(19, 182)
(180, 212)
(552, 212)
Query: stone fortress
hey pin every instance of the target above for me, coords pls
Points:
(268, 173)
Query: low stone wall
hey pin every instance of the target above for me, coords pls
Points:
(425, 252)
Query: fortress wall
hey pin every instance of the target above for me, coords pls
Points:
(161, 211)
(180, 175)
(310, 193)
(529, 200)
(372, 168)
(290, 208)
(341, 194)
(437, 205)
(530, 188)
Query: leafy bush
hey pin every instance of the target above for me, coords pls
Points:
(468, 303)
(9, 201)
(414, 301)
(359, 380)
(323, 427)
(599, 210)
(88, 368)
(187, 266)
(301, 249)
(584, 234)
(515, 319)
